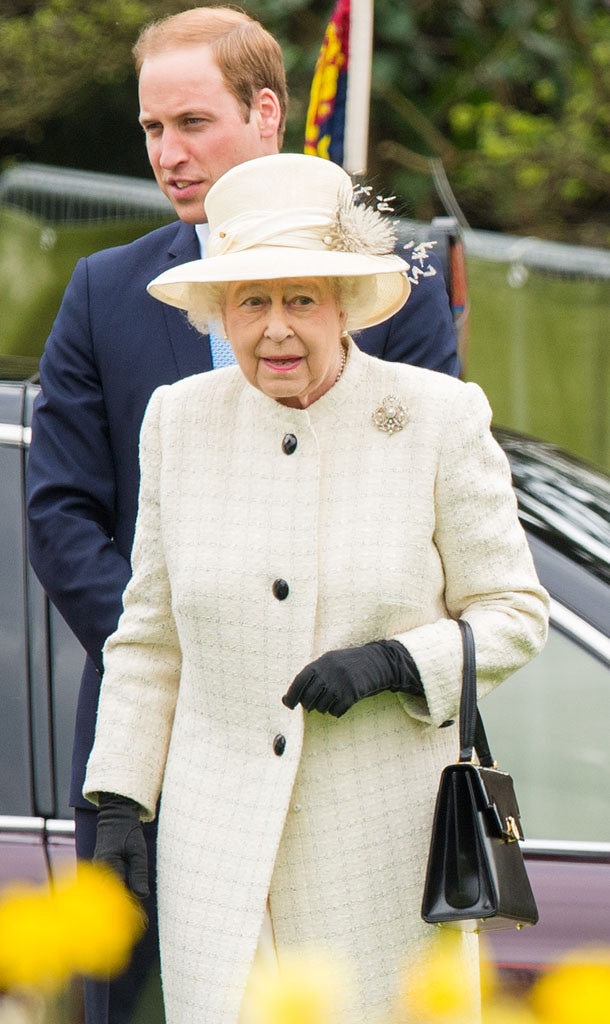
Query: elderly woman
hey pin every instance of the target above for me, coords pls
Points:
(312, 523)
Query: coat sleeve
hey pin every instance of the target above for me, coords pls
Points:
(489, 572)
(422, 333)
(142, 659)
(71, 480)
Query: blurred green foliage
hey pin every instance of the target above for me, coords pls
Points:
(540, 352)
(513, 98)
(36, 261)
(50, 50)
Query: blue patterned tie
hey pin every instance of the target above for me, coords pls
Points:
(222, 353)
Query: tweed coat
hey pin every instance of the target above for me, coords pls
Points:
(376, 535)
(111, 345)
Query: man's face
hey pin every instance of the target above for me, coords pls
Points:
(195, 128)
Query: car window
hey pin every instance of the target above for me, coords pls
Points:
(549, 726)
(67, 660)
(15, 777)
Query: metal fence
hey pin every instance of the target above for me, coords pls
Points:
(62, 196)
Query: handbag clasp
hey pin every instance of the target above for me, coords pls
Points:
(512, 830)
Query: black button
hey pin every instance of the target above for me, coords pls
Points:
(279, 744)
(289, 444)
(280, 589)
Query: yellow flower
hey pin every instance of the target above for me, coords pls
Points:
(576, 990)
(29, 956)
(98, 921)
(85, 923)
(436, 990)
(303, 991)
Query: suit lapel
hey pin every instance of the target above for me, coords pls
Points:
(191, 349)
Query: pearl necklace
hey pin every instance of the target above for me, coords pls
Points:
(343, 361)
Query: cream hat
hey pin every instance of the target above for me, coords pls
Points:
(291, 215)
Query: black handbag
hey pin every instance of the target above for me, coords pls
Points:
(476, 877)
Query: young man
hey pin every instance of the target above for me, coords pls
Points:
(212, 94)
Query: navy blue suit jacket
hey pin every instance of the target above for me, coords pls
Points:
(110, 347)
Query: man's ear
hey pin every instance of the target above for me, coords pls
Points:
(267, 109)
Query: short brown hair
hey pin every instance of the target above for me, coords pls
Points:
(249, 57)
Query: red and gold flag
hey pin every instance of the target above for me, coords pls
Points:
(325, 126)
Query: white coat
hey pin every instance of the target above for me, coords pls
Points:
(377, 535)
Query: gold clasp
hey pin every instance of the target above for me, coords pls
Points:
(512, 829)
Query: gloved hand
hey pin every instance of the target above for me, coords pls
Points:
(120, 842)
(336, 680)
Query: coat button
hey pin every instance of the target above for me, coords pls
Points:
(280, 589)
(289, 444)
(279, 744)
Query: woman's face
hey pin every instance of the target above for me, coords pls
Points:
(286, 336)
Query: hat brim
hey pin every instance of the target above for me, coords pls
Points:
(176, 286)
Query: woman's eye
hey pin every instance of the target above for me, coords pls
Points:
(302, 300)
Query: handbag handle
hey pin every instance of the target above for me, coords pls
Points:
(472, 730)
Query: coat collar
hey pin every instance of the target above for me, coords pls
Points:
(191, 349)
(184, 245)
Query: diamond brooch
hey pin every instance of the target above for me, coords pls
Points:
(391, 415)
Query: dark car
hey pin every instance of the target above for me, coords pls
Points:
(548, 725)
(40, 668)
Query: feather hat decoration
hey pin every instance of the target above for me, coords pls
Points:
(360, 228)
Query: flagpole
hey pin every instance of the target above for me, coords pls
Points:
(358, 87)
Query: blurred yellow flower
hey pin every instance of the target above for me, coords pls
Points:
(98, 921)
(29, 955)
(304, 991)
(576, 990)
(86, 923)
(435, 990)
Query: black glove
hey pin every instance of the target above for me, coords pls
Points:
(120, 842)
(338, 679)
